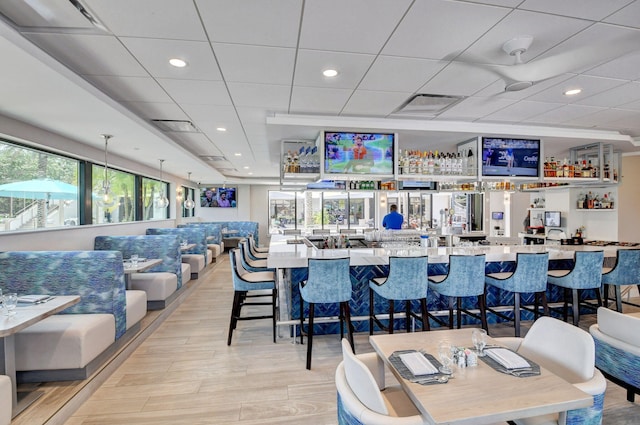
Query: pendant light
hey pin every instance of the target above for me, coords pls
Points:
(105, 197)
(189, 203)
(162, 201)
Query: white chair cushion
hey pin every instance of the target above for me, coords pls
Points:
(158, 285)
(64, 341)
(196, 261)
(619, 326)
(5, 400)
(186, 273)
(136, 306)
(362, 382)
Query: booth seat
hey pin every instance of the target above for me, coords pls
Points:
(243, 229)
(213, 233)
(617, 338)
(5, 400)
(199, 256)
(162, 282)
(74, 343)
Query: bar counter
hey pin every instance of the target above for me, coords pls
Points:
(291, 260)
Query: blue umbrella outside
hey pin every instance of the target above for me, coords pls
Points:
(39, 189)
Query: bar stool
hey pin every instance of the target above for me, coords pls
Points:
(254, 246)
(253, 254)
(626, 271)
(244, 283)
(249, 263)
(529, 276)
(585, 274)
(328, 282)
(465, 279)
(407, 281)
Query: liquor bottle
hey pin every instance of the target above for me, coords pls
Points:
(430, 164)
(436, 163)
(606, 171)
(471, 163)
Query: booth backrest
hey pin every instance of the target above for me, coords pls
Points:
(214, 230)
(193, 235)
(244, 228)
(164, 247)
(96, 276)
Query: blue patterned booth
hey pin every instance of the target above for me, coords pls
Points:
(161, 282)
(197, 257)
(72, 344)
(243, 229)
(213, 233)
(617, 338)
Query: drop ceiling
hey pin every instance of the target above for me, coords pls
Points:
(255, 68)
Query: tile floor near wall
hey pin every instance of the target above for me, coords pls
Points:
(184, 373)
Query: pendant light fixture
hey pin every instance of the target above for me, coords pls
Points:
(105, 197)
(189, 203)
(162, 201)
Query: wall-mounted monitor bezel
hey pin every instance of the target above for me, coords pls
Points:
(231, 195)
(489, 172)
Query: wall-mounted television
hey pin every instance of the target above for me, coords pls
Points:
(552, 218)
(510, 157)
(497, 215)
(365, 155)
(219, 197)
(417, 185)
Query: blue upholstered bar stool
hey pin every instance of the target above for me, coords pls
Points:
(245, 285)
(407, 281)
(529, 276)
(250, 263)
(328, 282)
(254, 246)
(465, 279)
(625, 272)
(586, 274)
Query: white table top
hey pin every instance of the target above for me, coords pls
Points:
(284, 255)
(141, 266)
(478, 395)
(187, 247)
(28, 314)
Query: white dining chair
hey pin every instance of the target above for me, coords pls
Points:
(6, 391)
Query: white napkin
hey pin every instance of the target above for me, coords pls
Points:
(32, 298)
(507, 358)
(418, 364)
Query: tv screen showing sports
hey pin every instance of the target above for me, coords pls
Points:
(510, 157)
(552, 218)
(218, 197)
(350, 153)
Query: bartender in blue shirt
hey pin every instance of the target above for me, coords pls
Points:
(394, 219)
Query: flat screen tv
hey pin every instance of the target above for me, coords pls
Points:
(417, 185)
(552, 218)
(219, 197)
(497, 215)
(359, 154)
(507, 157)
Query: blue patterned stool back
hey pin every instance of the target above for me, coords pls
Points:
(465, 278)
(328, 282)
(626, 270)
(586, 273)
(407, 279)
(531, 273)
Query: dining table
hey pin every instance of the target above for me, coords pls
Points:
(25, 316)
(476, 394)
(138, 267)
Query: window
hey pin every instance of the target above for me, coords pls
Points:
(120, 207)
(37, 189)
(152, 192)
(188, 194)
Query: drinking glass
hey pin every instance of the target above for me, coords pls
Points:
(445, 355)
(134, 260)
(10, 303)
(479, 339)
(185, 242)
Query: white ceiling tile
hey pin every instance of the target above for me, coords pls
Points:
(390, 73)
(625, 93)
(589, 86)
(459, 79)
(196, 92)
(474, 107)
(602, 118)
(73, 50)
(315, 100)
(626, 68)
(351, 68)
(159, 111)
(359, 26)
(176, 19)
(521, 111)
(628, 16)
(505, 3)
(635, 106)
(255, 64)
(438, 29)
(378, 104)
(264, 23)
(214, 115)
(154, 55)
(256, 116)
(563, 114)
(586, 9)
(260, 95)
(198, 143)
(131, 89)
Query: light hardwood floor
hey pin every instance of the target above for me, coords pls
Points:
(184, 373)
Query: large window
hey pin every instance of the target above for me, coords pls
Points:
(37, 189)
(152, 192)
(119, 205)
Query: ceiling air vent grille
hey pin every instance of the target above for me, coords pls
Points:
(428, 104)
(181, 126)
(213, 158)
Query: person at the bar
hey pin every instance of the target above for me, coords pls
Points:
(394, 219)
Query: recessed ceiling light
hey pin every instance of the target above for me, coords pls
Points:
(178, 63)
(329, 72)
(221, 129)
(250, 173)
(572, 92)
(246, 167)
(237, 154)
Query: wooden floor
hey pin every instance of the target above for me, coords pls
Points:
(184, 373)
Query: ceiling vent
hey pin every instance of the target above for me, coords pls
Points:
(428, 104)
(50, 14)
(176, 126)
(213, 158)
